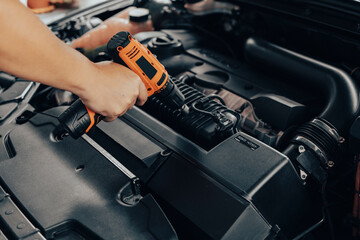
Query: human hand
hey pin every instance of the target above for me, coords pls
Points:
(112, 90)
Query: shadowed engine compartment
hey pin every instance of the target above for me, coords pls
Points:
(270, 140)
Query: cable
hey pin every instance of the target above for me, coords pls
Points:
(325, 215)
(238, 117)
(213, 114)
(193, 105)
(214, 96)
(301, 235)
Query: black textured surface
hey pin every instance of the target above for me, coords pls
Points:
(15, 92)
(12, 219)
(263, 176)
(46, 178)
(209, 206)
(6, 109)
(198, 127)
(120, 39)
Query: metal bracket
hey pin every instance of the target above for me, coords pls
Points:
(130, 194)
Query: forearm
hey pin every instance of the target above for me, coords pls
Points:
(28, 49)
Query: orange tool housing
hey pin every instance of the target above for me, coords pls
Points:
(141, 61)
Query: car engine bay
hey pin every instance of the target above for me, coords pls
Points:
(269, 149)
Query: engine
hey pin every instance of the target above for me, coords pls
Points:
(251, 159)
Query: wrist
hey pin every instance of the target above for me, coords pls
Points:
(81, 78)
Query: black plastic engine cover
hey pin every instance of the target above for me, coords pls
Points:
(240, 189)
(69, 189)
(201, 185)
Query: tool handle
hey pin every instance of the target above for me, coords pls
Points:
(124, 49)
(78, 119)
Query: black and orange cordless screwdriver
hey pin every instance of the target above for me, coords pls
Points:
(123, 48)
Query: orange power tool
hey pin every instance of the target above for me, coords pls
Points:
(124, 49)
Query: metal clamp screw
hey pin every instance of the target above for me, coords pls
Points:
(301, 149)
(303, 175)
(330, 164)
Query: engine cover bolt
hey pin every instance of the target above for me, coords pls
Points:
(303, 175)
(331, 164)
(301, 149)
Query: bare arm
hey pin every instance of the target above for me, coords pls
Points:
(28, 49)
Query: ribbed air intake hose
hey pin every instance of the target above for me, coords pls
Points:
(321, 135)
(341, 91)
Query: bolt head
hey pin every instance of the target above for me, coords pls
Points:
(301, 149)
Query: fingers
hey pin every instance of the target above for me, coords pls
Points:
(110, 118)
(143, 95)
(140, 100)
(142, 91)
(119, 90)
(124, 108)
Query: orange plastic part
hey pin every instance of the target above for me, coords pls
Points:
(92, 119)
(44, 6)
(65, 3)
(132, 53)
(103, 33)
(40, 6)
(38, 3)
